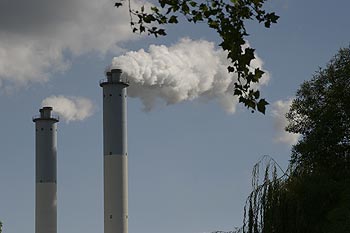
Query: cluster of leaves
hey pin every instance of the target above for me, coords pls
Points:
(321, 113)
(227, 18)
(315, 195)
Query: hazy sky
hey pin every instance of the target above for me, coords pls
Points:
(191, 151)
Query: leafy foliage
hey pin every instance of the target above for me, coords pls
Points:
(314, 195)
(227, 18)
(321, 113)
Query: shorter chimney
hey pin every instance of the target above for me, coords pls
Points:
(45, 171)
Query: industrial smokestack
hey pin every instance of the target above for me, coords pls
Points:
(115, 161)
(45, 171)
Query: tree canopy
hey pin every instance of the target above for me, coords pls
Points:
(228, 19)
(314, 194)
(321, 114)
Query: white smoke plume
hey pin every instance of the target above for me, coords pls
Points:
(279, 111)
(184, 71)
(70, 108)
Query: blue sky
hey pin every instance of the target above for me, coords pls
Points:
(189, 163)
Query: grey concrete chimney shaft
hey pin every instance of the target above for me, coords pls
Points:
(115, 161)
(45, 171)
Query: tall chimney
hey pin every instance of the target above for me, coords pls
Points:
(45, 171)
(115, 160)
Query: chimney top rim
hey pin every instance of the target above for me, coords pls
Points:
(116, 71)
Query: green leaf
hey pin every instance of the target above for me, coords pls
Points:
(161, 32)
(256, 94)
(142, 28)
(193, 4)
(213, 24)
(197, 16)
(237, 92)
(154, 9)
(250, 103)
(173, 19)
(262, 105)
(267, 24)
(257, 75)
(203, 7)
(185, 9)
(148, 18)
(272, 17)
(162, 3)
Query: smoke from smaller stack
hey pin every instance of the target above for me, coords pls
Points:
(70, 108)
(185, 71)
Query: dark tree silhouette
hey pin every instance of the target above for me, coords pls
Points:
(321, 114)
(314, 194)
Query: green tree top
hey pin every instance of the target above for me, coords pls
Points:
(314, 195)
(321, 113)
(228, 19)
